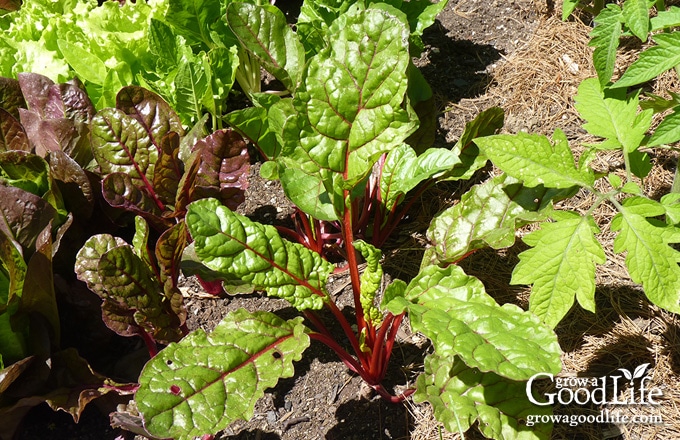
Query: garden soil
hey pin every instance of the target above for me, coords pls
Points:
(516, 54)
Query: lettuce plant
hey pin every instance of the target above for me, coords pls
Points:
(47, 200)
(346, 124)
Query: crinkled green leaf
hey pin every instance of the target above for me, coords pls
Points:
(653, 61)
(308, 192)
(485, 123)
(487, 215)
(461, 396)
(264, 32)
(404, 170)
(561, 266)
(27, 171)
(605, 38)
(205, 382)
(636, 14)
(650, 259)
(535, 160)
(453, 310)
(232, 244)
(163, 43)
(121, 144)
(371, 279)
(612, 115)
(350, 100)
(252, 123)
(140, 241)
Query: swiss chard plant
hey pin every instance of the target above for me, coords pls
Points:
(151, 170)
(273, 121)
(343, 130)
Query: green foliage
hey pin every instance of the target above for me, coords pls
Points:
(564, 253)
(339, 145)
(206, 382)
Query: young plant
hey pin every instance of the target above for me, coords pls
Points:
(563, 254)
(149, 169)
(349, 113)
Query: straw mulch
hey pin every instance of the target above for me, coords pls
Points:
(536, 86)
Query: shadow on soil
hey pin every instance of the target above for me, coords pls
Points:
(467, 77)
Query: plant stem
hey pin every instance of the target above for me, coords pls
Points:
(353, 265)
(150, 343)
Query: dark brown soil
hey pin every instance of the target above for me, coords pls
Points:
(324, 400)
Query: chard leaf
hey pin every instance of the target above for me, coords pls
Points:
(253, 124)
(223, 169)
(132, 298)
(485, 123)
(453, 310)
(237, 247)
(169, 249)
(121, 144)
(12, 134)
(612, 115)
(307, 190)
(87, 260)
(535, 160)
(120, 191)
(653, 61)
(169, 169)
(461, 396)
(370, 280)
(264, 32)
(205, 382)
(150, 110)
(403, 171)
(650, 259)
(605, 38)
(636, 14)
(487, 215)
(561, 266)
(350, 101)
